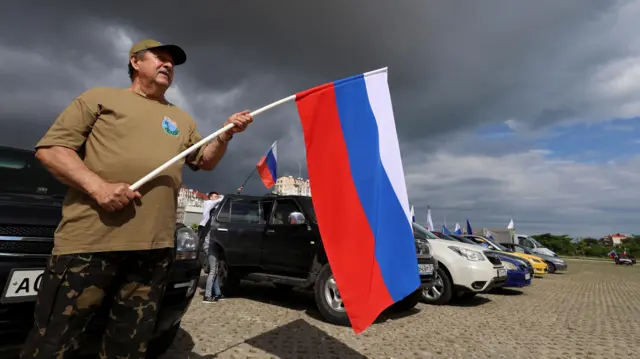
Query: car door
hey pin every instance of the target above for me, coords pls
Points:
(239, 228)
(287, 248)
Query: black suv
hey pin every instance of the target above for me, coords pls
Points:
(30, 209)
(276, 239)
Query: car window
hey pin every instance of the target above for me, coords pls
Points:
(245, 211)
(519, 249)
(284, 207)
(223, 215)
(525, 242)
(267, 207)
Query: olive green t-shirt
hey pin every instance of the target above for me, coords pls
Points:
(122, 136)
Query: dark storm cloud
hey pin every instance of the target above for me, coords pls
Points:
(454, 66)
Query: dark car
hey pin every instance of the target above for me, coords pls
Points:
(276, 239)
(30, 209)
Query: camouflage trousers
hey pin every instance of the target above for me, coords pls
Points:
(72, 292)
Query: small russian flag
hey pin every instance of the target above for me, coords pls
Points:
(268, 165)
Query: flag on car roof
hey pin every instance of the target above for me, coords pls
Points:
(359, 193)
(430, 225)
(457, 230)
(268, 166)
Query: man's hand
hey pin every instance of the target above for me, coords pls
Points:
(114, 196)
(241, 120)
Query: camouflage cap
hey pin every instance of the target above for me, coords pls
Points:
(178, 55)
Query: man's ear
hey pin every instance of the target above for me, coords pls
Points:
(133, 60)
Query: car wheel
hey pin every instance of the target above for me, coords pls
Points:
(551, 268)
(228, 280)
(328, 298)
(440, 292)
(159, 345)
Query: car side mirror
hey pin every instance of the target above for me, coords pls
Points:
(297, 218)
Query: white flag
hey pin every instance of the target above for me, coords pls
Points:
(429, 220)
(511, 225)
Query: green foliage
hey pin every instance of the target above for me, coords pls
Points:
(587, 247)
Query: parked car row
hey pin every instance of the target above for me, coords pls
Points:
(276, 239)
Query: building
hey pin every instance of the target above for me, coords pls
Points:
(190, 206)
(292, 186)
(614, 239)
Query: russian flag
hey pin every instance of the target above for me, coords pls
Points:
(359, 193)
(268, 165)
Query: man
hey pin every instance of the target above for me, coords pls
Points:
(112, 241)
(212, 284)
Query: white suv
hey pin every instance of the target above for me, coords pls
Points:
(463, 269)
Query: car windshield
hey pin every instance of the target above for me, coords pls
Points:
(21, 173)
(444, 236)
(535, 242)
(497, 245)
(464, 240)
(418, 228)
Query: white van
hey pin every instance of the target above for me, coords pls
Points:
(533, 245)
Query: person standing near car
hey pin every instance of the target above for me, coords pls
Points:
(114, 243)
(212, 291)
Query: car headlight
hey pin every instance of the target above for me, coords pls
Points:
(509, 265)
(423, 248)
(468, 253)
(186, 243)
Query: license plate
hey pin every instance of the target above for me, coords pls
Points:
(502, 272)
(425, 268)
(22, 285)
(527, 276)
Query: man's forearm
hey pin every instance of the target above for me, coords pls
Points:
(213, 153)
(65, 164)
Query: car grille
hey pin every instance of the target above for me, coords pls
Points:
(26, 247)
(493, 258)
(27, 231)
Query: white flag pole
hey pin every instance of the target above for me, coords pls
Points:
(152, 174)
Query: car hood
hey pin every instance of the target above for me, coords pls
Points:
(448, 243)
(545, 251)
(29, 210)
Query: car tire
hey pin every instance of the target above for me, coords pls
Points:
(551, 268)
(228, 279)
(328, 298)
(409, 302)
(441, 291)
(159, 345)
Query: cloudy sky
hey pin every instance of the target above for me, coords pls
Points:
(523, 109)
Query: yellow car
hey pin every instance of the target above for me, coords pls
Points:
(538, 264)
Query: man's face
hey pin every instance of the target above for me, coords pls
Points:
(213, 196)
(156, 67)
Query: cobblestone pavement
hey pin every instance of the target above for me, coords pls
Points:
(592, 311)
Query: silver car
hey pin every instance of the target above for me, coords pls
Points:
(553, 263)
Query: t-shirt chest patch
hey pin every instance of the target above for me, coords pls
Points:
(170, 127)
